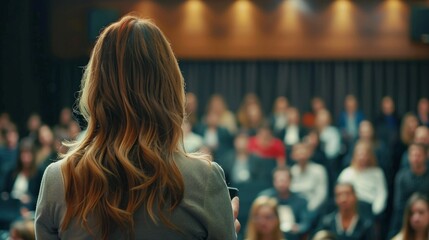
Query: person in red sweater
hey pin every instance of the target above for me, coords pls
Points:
(265, 145)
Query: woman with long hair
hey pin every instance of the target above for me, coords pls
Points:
(23, 181)
(128, 177)
(416, 219)
(264, 220)
(367, 178)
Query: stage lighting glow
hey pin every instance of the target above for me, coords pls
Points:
(194, 16)
(395, 17)
(242, 11)
(343, 17)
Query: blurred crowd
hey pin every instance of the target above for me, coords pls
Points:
(23, 160)
(301, 175)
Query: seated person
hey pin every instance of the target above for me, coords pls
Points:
(23, 182)
(421, 136)
(308, 178)
(216, 138)
(416, 219)
(367, 178)
(294, 219)
(23, 230)
(409, 181)
(265, 145)
(238, 164)
(346, 222)
(192, 142)
(293, 133)
(264, 221)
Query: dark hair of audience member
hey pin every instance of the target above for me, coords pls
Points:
(408, 127)
(26, 147)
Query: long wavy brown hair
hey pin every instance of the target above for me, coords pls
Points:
(132, 96)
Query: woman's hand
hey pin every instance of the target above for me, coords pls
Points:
(235, 203)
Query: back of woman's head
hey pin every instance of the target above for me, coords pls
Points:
(133, 99)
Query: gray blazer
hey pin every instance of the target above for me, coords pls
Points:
(204, 213)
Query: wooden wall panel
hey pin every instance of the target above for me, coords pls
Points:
(259, 29)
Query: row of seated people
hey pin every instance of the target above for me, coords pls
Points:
(23, 161)
(332, 146)
(269, 218)
(310, 180)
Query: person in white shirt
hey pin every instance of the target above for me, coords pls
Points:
(308, 178)
(368, 179)
(192, 142)
(328, 134)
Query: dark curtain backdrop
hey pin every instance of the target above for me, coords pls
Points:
(405, 81)
(299, 81)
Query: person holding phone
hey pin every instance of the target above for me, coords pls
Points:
(128, 176)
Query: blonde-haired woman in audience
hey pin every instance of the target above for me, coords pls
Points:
(409, 125)
(218, 105)
(264, 220)
(416, 219)
(367, 178)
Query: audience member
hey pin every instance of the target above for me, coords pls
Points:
(192, 142)
(350, 119)
(250, 115)
(279, 117)
(227, 120)
(367, 179)
(294, 218)
(324, 235)
(415, 224)
(264, 221)
(191, 109)
(366, 133)
(73, 130)
(215, 137)
(8, 151)
(423, 112)
(309, 118)
(329, 135)
(5, 122)
(23, 182)
(265, 145)
(293, 132)
(33, 124)
(308, 179)
(22, 230)
(330, 141)
(238, 164)
(421, 135)
(409, 181)
(313, 144)
(346, 222)
(45, 152)
(387, 122)
(65, 118)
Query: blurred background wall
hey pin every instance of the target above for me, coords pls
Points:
(296, 48)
